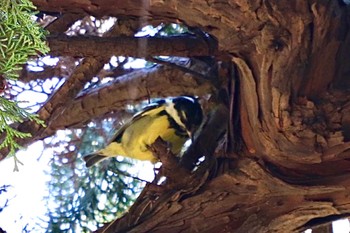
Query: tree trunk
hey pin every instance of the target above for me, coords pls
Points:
(288, 113)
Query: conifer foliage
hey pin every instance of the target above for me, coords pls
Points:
(20, 38)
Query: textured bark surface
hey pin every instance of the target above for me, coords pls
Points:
(93, 46)
(286, 164)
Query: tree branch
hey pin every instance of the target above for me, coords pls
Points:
(220, 202)
(63, 22)
(83, 46)
(180, 178)
(139, 85)
(56, 104)
(48, 72)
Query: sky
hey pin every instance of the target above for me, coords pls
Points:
(27, 191)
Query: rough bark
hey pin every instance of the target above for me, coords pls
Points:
(82, 46)
(290, 117)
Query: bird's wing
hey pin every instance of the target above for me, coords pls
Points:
(151, 109)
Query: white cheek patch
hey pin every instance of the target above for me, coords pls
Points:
(174, 114)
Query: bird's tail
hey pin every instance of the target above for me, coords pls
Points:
(91, 159)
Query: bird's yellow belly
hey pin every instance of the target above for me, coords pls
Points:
(144, 132)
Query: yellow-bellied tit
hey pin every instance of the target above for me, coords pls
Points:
(174, 120)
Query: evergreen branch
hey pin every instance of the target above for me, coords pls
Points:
(20, 38)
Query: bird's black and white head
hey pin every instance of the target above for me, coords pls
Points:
(186, 112)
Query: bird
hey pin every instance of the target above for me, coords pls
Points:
(174, 120)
